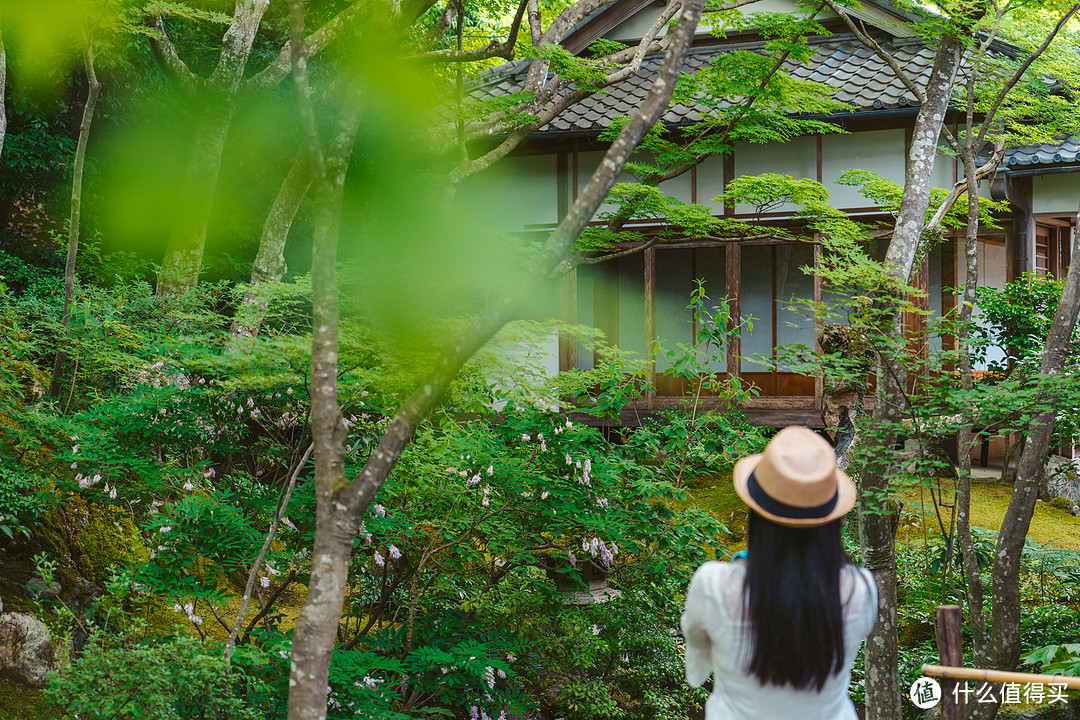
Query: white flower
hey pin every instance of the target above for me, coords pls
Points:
(74, 466)
(395, 554)
(112, 493)
(544, 495)
(526, 438)
(490, 470)
(380, 511)
(264, 581)
(379, 559)
(188, 485)
(75, 450)
(165, 528)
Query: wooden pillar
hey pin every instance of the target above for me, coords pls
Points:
(948, 284)
(566, 290)
(650, 319)
(733, 263)
(565, 286)
(819, 299)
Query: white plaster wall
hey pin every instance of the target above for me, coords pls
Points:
(992, 270)
(1056, 193)
(881, 151)
(587, 162)
(514, 193)
(797, 158)
(942, 176)
(710, 182)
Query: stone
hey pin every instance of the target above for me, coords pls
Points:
(40, 589)
(26, 653)
(1062, 478)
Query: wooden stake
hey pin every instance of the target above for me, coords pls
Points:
(947, 629)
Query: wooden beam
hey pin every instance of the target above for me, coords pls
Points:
(603, 23)
(1001, 676)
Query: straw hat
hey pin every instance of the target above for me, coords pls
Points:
(795, 482)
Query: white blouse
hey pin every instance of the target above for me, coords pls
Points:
(716, 644)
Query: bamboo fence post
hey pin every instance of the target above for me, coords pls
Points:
(947, 630)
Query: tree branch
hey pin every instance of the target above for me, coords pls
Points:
(888, 59)
(169, 61)
(279, 68)
(1020, 71)
(946, 205)
(493, 49)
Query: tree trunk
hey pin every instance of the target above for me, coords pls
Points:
(1003, 646)
(972, 575)
(877, 521)
(183, 253)
(3, 92)
(270, 261)
(341, 505)
(93, 90)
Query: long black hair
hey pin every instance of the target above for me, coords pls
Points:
(792, 598)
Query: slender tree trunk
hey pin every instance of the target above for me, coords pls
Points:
(972, 575)
(877, 520)
(270, 261)
(93, 90)
(3, 92)
(341, 505)
(1003, 645)
(184, 251)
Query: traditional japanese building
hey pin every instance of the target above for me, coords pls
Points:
(642, 297)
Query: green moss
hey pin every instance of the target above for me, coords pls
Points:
(21, 704)
(717, 495)
(109, 539)
(1059, 528)
(1062, 503)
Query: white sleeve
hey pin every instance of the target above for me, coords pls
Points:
(698, 616)
(871, 606)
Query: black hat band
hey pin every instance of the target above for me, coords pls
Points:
(781, 509)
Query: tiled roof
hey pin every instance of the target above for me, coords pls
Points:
(1068, 151)
(861, 79)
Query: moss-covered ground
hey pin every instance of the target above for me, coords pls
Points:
(1049, 526)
